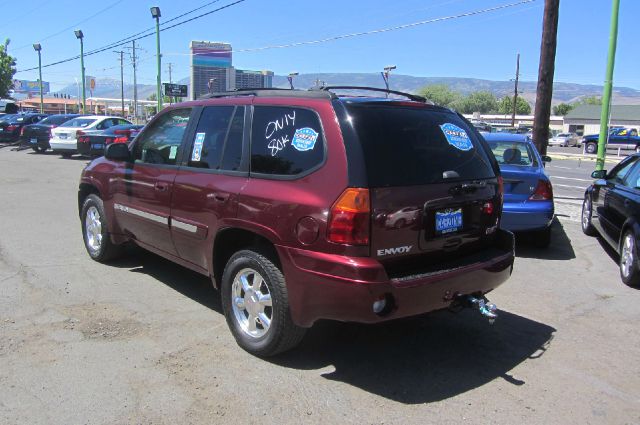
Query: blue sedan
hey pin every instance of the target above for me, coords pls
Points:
(528, 194)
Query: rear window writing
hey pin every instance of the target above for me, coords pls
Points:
(412, 146)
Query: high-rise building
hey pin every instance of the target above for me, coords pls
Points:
(212, 70)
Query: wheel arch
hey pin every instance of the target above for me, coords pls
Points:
(85, 189)
(233, 239)
(630, 223)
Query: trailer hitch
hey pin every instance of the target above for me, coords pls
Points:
(482, 304)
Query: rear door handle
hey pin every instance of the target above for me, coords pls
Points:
(221, 197)
(161, 187)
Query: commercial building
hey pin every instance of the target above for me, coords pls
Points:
(212, 70)
(585, 119)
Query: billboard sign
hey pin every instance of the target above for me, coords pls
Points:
(26, 86)
(176, 90)
(208, 54)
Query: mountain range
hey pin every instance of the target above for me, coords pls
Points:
(563, 92)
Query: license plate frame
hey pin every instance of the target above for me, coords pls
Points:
(33, 141)
(449, 220)
(97, 146)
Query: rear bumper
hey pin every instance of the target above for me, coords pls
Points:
(520, 217)
(9, 137)
(41, 142)
(63, 146)
(89, 149)
(327, 286)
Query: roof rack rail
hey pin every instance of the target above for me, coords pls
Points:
(269, 91)
(410, 96)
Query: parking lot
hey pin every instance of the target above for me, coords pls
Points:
(145, 341)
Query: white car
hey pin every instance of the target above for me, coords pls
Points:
(64, 138)
(565, 139)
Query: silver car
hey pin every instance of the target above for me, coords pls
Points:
(565, 139)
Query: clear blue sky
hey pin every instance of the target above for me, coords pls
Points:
(482, 46)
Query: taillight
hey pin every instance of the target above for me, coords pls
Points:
(487, 208)
(22, 131)
(123, 136)
(500, 187)
(79, 133)
(349, 218)
(543, 192)
(11, 127)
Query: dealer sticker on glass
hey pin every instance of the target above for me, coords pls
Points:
(448, 221)
(457, 137)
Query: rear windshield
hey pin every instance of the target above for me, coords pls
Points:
(513, 153)
(55, 119)
(79, 122)
(412, 146)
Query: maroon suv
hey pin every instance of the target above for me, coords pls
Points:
(305, 205)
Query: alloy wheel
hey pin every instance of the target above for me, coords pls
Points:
(627, 255)
(251, 303)
(586, 213)
(93, 229)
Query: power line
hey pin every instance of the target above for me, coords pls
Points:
(377, 31)
(130, 38)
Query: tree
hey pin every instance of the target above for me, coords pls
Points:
(7, 70)
(563, 109)
(480, 101)
(440, 94)
(591, 100)
(505, 106)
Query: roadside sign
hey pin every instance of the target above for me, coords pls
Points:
(177, 90)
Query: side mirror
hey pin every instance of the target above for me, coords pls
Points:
(117, 152)
(546, 158)
(599, 174)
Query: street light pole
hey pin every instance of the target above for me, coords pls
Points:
(608, 86)
(121, 52)
(155, 13)
(385, 75)
(290, 78)
(80, 36)
(38, 48)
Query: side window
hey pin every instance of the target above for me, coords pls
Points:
(232, 155)
(160, 141)
(619, 174)
(122, 122)
(285, 141)
(208, 143)
(632, 179)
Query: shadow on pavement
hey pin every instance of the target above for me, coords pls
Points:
(559, 249)
(416, 360)
(189, 283)
(423, 359)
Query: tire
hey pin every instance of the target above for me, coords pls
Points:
(246, 316)
(591, 148)
(587, 213)
(629, 259)
(542, 238)
(95, 234)
(66, 155)
(637, 149)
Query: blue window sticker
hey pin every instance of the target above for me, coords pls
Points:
(196, 154)
(304, 139)
(457, 137)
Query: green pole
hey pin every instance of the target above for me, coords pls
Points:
(608, 87)
(40, 75)
(84, 93)
(159, 92)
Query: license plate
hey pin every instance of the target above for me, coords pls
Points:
(448, 221)
(97, 146)
(34, 141)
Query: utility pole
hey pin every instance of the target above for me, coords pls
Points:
(545, 75)
(515, 93)
(135, 85)
(155, 14)
(170, 81)
(608, 86)
(80, 36)
(121, 81)
(37, 47)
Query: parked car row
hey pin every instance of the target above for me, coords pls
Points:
(66, 134)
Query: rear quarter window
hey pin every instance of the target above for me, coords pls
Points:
(413, 145)
(285, 141)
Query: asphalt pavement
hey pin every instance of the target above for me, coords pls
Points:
(143, 340)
